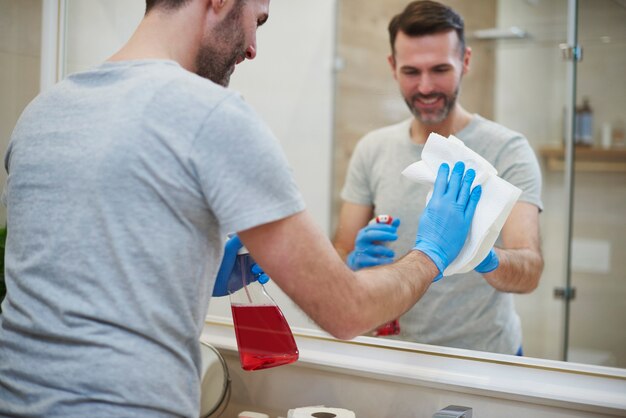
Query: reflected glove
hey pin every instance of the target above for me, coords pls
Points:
(232, 246)
(446, 221)
(369, 249)
(490, 263)
(259, 274)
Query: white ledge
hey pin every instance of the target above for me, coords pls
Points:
(546, 382)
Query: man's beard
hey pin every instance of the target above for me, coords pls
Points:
(438, 116)
(221, 50)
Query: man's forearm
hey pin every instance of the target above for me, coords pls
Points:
(412, 275)
(518, 272)
(343, 253)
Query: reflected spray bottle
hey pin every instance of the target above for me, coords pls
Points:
(392, 327)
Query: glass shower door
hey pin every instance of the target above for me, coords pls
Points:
(532, 95)
(597, 322)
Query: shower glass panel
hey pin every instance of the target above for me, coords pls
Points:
(531, 96)
(597, 323)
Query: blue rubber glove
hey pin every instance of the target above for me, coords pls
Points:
(446, 221)
(369, 249)
(232, 246)
(490, 263)
(259, 274)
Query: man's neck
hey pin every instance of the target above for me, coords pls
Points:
(165, 36)
(457, 119)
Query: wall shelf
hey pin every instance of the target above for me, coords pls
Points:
(586, 159)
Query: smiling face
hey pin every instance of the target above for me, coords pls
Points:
(429, 70)
(231, 41)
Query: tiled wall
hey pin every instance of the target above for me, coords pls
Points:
(20, 40)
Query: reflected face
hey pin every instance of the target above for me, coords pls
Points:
(231, 41)
(429, 70)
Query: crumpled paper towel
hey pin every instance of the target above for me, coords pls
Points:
(320, 412)
(496, 202)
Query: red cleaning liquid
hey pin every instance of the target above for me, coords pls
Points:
(263, 337)
(390, 328)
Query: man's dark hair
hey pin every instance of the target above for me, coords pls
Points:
(426, 17)
(165, 4)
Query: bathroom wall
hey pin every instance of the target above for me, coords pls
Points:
(96, 29)
(20, 40)
(290, 84)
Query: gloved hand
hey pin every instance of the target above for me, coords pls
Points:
(445, 223)
(369, 249)
(232, 246)
(490, 263)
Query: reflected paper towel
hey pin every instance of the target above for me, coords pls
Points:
(496, 202)
(320, 412)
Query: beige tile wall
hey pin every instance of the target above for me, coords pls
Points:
(20, 40)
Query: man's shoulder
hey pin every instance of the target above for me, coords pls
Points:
(387, 133)
(185, 93)
(189, 86)
(483, 129)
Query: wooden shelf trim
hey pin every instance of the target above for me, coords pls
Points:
(590, 159)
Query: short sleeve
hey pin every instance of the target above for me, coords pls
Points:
(517, 164)
(242, 171)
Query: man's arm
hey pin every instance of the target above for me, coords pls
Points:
(304, 264)
(352, 218)
(521, 262)
(301, 260)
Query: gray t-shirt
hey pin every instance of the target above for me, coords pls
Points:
(460, 310)
(123, 181)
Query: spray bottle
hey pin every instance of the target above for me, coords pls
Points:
(264, 338)
(393, 327)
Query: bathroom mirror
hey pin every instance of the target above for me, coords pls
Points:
(321, 81)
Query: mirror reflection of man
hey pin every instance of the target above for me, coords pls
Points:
(123, 181)
(474, 310)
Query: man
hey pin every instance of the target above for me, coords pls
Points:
(123, 182)
(475, 310)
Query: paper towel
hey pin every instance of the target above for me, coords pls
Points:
(320, 412)
(496, 202)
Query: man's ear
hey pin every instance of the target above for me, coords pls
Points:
(392, 63)
(216, 9)
(466, 60)
(218, 5)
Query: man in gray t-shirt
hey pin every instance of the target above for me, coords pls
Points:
(123, 182)
(473, 310)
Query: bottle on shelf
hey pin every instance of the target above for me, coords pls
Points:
(583, 135)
